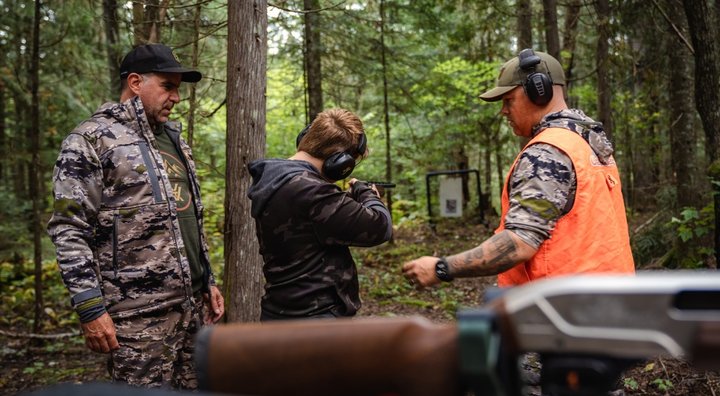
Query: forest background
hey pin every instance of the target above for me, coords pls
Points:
(411, 69)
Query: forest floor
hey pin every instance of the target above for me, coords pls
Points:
(28, 364)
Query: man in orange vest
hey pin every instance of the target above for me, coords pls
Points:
(562, 205)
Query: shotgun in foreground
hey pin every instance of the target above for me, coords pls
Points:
(586, 329)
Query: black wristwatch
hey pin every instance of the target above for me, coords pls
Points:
(442, 270)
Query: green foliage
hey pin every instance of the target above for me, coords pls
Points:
(37, 366)
(663, 384)
(651, 243)
(630, 384)
(691, 225)
(694, 228)
(14, 233)
(285, 114)
(18, 296)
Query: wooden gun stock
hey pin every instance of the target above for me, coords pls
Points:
(380, 356)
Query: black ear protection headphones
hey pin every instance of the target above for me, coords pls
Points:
(341, 164)
(538, 86)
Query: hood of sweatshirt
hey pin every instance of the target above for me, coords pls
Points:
(590, 130)
(268, 175)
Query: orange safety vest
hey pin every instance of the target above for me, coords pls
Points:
(593, 236)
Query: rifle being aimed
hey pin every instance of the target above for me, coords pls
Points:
(587, 330)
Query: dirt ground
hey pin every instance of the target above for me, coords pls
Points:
(27, 365)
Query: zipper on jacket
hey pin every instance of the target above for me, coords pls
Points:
(116, 221)
(145, 151)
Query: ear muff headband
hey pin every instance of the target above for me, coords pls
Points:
(341, 164)
(537, 85)
(301, 135)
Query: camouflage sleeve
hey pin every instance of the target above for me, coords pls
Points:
(355, 218)
(541, 190)
(77, 189)
(361, 192)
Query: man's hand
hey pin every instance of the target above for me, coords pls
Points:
(421, 272)
(215, 306)
(100, 334)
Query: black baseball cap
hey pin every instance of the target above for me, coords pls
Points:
(155, 58)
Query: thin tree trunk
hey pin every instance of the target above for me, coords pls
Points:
(487, 178)
(499, 165)
(524, 24)
(683, 137)
(35, 166)
(524, 29)
(193, 89)
(313, 52)
(3, 134)
(552, 36)
(246, 73)
(111, 43)
(386, 110)
(152, 21)
(601, 56)
(702, 21)
(572, 16)
(138, 23)
(18, 144)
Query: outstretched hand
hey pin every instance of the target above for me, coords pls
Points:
(421, 272)
(373, 187)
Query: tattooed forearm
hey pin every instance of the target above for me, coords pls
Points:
(496, 255)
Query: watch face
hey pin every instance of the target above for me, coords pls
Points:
(442, 271)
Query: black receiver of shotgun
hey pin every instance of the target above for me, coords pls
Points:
(382, 184)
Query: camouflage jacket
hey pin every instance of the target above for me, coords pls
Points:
(114, 221)
(304, 226)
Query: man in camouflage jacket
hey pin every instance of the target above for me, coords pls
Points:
(121, 248)
(305, 222)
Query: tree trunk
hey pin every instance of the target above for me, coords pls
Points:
(524, 24)
(139, 35)
(552, 36)
(34, 174)
(486, 198)
(683, 137)
(602, 8)
(462, 162)
(18, 144)
(704, 33)
(193, 87)
(112, 32)
(499, 165)
(386, 110)
(313, 52)
(572, 16)
(702, 21)
(3, 135)
(246, 74)
(152, 21)
(524, 30)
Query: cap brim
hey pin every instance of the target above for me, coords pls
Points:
(188, 75)
(497, 93)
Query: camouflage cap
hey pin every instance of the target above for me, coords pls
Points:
(511, 75)
(155, 58)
